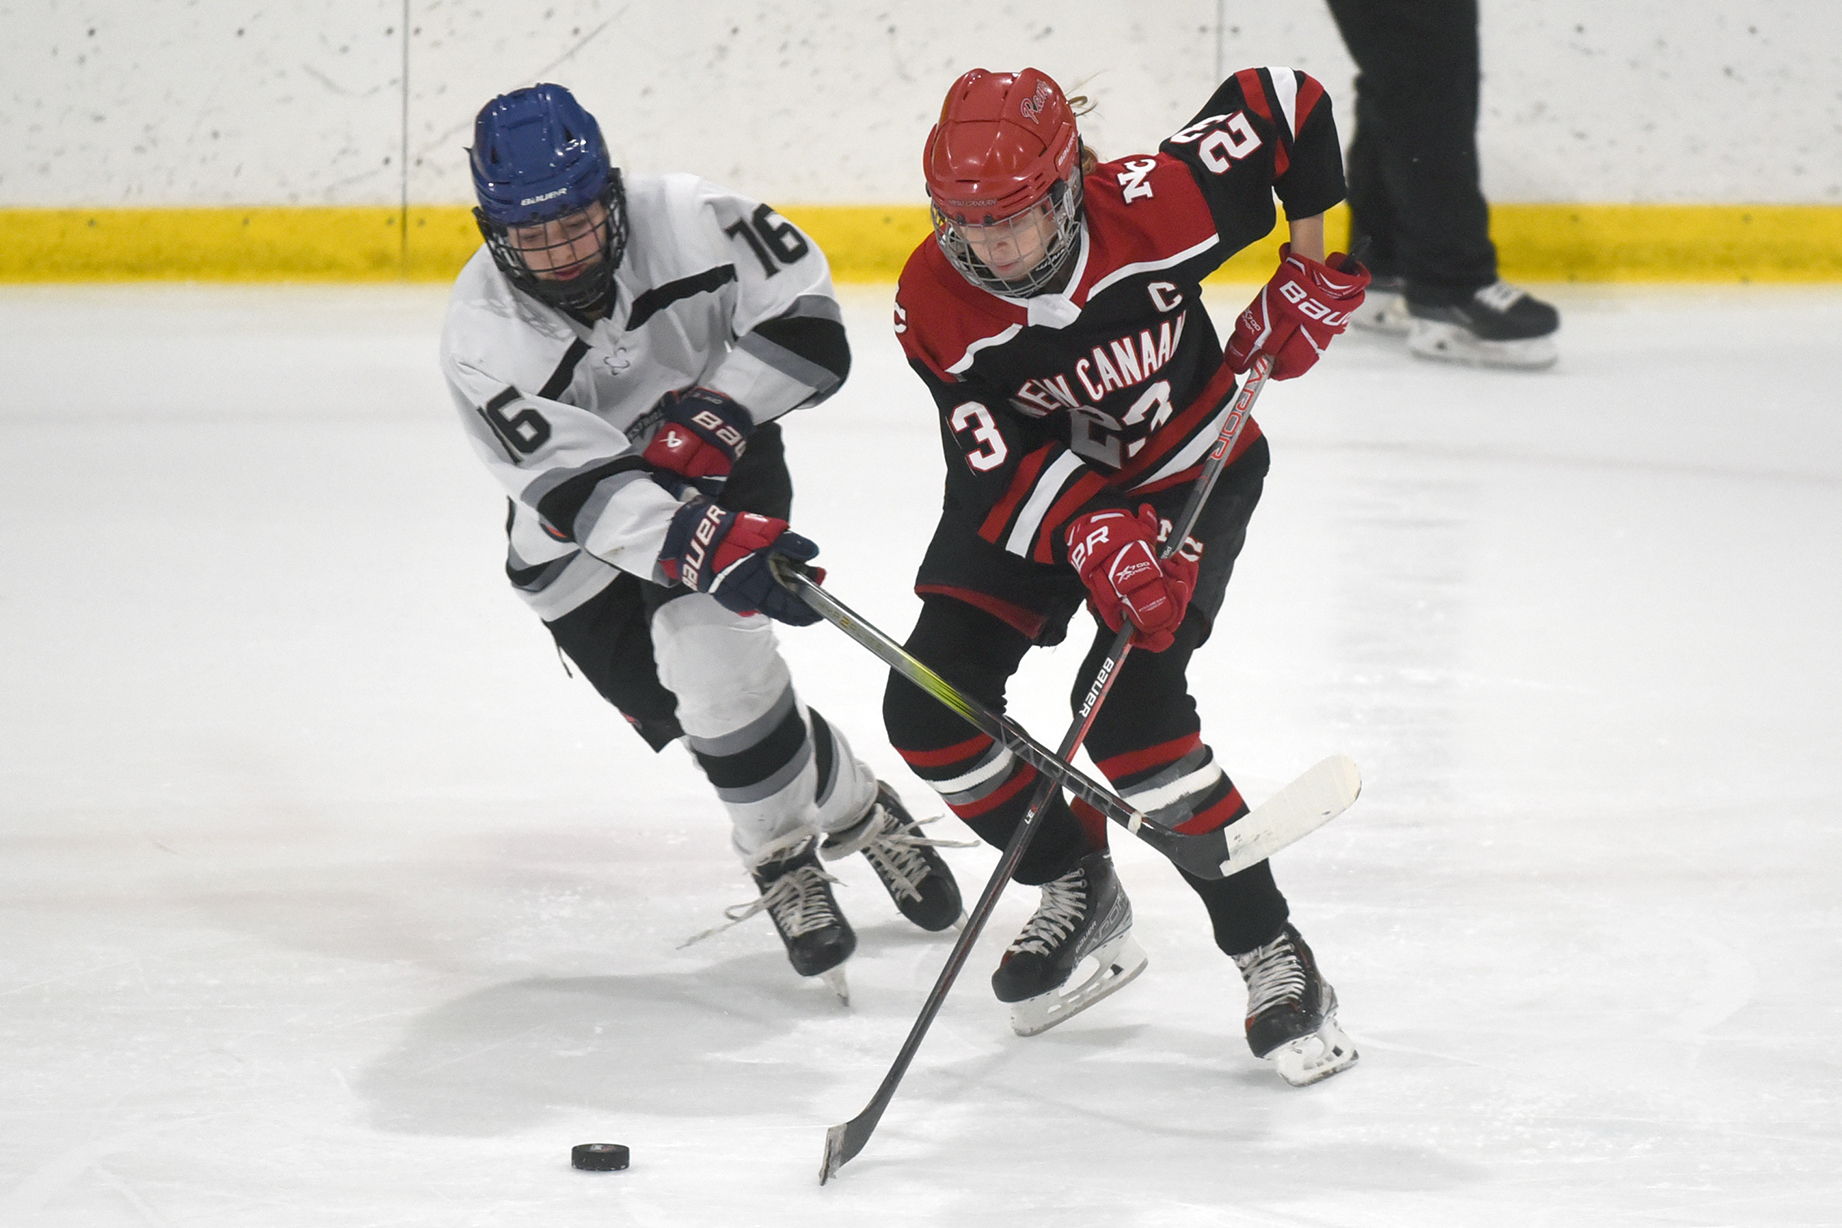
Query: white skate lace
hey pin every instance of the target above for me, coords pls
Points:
(895, 851)
(1273, 974)
(797, 901)
(1063, 908)
(1499, 296)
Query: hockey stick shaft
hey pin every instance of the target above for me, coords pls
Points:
(1225, 440)
(1199, 854)
(843, 1142)
(799, 580)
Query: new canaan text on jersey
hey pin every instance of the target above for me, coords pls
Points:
(1120, 364)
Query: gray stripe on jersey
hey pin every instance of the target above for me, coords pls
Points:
(536, 578)
(749, 735)
(580, 576)
(814, 306)
(775, 783)
(789, 364)
(550, 479)
(598, 499)
(825, 752)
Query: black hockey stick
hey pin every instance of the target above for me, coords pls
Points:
(1202, 855)
(843, 1142)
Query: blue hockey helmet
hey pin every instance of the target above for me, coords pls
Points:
(539, 161)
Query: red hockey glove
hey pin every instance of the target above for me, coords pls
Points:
(726, 554)
(1297, 312)
(1117, 556)
(701, 438)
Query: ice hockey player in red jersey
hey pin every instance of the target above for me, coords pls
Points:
(620, 352)
(1056, 317)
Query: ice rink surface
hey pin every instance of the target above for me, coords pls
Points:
(328, 899)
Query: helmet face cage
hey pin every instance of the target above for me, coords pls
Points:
(1050, 226)
(563, 248)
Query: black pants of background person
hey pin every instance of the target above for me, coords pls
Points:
(1413, 174)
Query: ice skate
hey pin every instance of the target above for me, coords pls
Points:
(1292, 1011)
(796, 894)
(1084, 916)
(1499, 326)
(916, 877)
(1384, 308)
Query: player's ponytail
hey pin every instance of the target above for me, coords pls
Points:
(1081, 104)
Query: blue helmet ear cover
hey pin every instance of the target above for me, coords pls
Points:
(537, 156)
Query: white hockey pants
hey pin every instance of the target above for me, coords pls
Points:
(778, 767)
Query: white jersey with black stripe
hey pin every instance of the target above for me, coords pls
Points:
(713, 290)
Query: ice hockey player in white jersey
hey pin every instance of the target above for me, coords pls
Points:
(619, 352)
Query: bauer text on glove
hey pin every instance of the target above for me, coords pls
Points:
(1297, 312)
(702, 436)
(727, 554)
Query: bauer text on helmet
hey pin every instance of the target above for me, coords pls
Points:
(551, 206)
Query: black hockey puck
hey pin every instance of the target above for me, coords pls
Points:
(599, 1157)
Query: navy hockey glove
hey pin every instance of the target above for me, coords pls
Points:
(1297, 312)
(701, 438)
(726, 554)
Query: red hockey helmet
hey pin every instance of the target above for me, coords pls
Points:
(1003, 170)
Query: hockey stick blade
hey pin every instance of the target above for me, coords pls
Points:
(1314, 799)
(842, 1143)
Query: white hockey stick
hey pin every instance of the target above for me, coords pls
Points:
(1314, 799)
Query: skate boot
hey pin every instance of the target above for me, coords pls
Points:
(1292, 1011)
(916, 877)
(1083, 915)
(1498, 326)
(797, 895)
(1384, 307)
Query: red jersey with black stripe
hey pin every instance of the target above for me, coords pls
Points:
(1064, 403)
